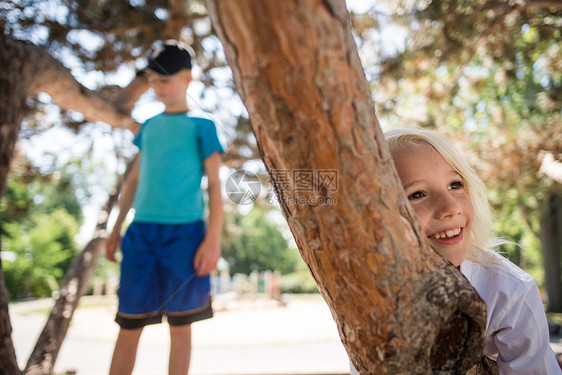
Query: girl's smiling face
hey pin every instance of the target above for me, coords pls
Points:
(437, 195)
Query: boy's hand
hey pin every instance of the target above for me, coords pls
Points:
(112, 244)
(206, 257)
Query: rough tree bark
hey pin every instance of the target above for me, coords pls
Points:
(399, 307)
(8, 362)
(16, 77)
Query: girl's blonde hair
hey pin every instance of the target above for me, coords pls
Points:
(482, 238)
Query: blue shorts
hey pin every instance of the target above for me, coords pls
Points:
(157, 276)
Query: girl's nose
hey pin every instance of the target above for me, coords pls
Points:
(447, 206)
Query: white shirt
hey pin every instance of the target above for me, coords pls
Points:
(516, 328)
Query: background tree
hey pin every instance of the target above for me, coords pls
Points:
(253, 242)
(41, 217)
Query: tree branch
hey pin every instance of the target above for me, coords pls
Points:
(177, 19)
(126, 97)
(46, 74)
(50, 76)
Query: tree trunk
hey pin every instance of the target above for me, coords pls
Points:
(8, 362)
(399, 307)
(551, 243)
(15, 79)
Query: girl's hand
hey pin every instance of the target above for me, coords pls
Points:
(207, 257)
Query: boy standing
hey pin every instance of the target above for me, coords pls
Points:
(167, 252)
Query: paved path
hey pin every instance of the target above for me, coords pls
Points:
(250, 337)
(245, 337)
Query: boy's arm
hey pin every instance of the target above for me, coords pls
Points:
(125, 204)
(209, 250)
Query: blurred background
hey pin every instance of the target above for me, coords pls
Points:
(488, 74)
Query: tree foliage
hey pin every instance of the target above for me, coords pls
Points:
(41, 218)
(253, 242)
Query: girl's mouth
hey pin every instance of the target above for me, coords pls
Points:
(446, 234)
(449, 236)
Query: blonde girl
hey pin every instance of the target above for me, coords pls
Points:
(450, 201)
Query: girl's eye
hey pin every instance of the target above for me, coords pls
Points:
(455, 185)
(416, 195)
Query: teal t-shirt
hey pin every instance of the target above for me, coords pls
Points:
(173, 148)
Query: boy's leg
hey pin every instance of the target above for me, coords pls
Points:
(125, 352)
(180, 349)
